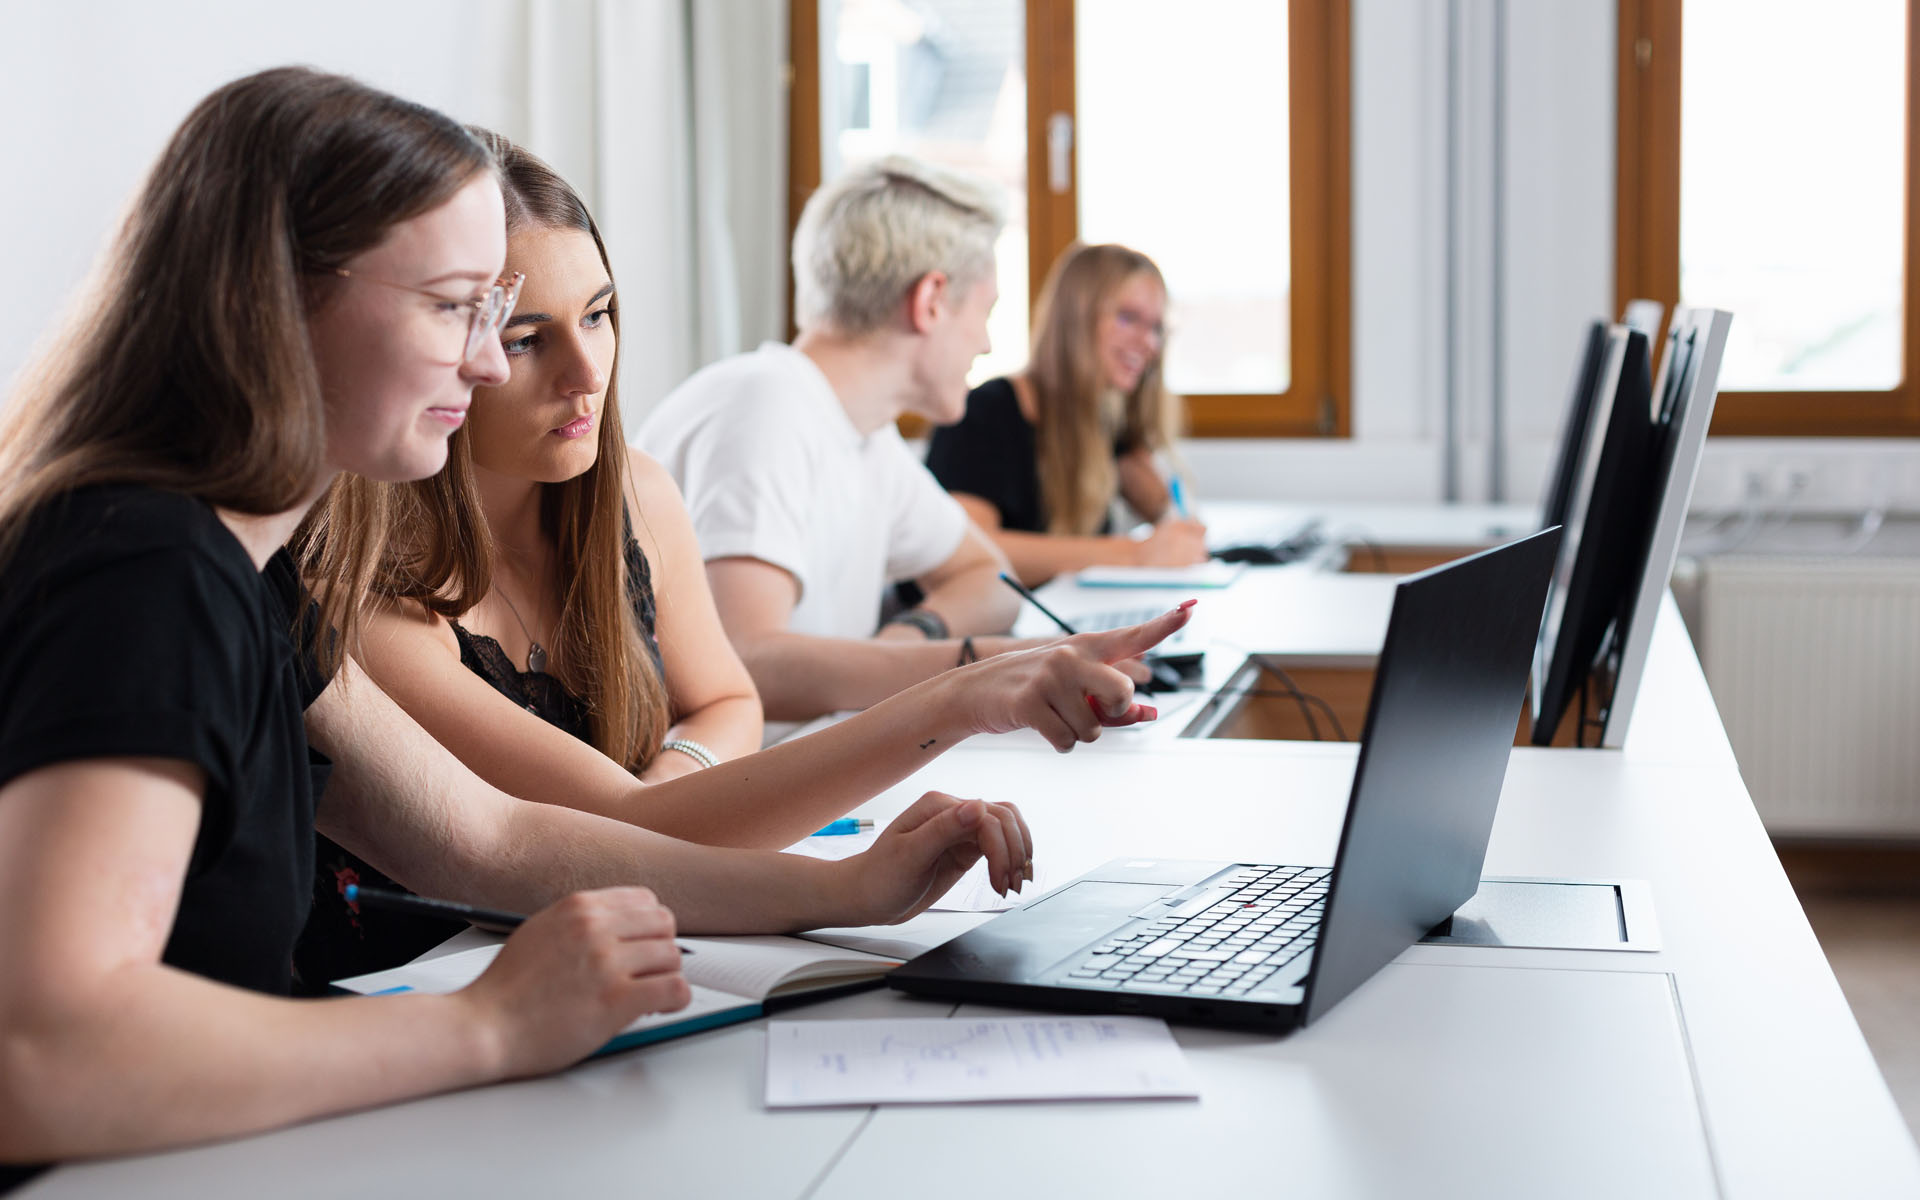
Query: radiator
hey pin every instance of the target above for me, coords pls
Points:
(1815, 666)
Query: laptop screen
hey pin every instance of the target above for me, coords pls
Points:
(1446, 703)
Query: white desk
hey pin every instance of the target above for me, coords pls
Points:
(1232, 521)
(1726, 1064)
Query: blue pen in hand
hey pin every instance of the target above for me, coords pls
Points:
(844, 825)
(1178, 493)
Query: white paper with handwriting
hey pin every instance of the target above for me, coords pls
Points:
(934, 1061)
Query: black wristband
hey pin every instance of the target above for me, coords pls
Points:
(925, 620)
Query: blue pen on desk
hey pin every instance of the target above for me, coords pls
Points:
(844, 826)
(1178, 493)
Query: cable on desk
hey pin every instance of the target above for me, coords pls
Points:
(1303, 699)
(1339, 733)
(1359, 535)
(1294, 691)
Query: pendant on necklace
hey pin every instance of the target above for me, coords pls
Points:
(536, 657)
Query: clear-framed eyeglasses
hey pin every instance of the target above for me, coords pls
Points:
(485, 314)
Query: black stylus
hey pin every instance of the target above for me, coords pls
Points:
(1166, 677)
(1034, 600)
(485, 918)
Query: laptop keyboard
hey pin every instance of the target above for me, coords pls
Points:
(1228, 949)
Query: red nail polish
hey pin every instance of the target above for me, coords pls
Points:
(1186, 604)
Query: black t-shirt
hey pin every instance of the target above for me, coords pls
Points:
(993, 453)
(133, 623)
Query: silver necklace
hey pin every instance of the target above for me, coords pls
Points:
(536, 653)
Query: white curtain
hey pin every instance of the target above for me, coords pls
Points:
(669, 116)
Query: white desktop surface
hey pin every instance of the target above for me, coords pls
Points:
(1232, 521)
(1334, 618)
(1390, 1095)
(1727, 1063)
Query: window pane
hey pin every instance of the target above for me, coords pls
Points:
(943, 80)
(1183, 156)
(1792, 158)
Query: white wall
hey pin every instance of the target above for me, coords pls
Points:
(93, 90)
(1558, 212)
(691, 202)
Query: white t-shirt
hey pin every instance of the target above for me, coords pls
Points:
(772, 469)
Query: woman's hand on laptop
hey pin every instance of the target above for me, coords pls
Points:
(926, 849)
(1066, 690)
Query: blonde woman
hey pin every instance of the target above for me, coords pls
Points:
(1041, 455)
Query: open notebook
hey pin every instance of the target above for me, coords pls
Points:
(733, 979)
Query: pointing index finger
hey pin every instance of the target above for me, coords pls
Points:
(1133, 641)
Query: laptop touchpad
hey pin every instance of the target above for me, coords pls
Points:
(1027, 940)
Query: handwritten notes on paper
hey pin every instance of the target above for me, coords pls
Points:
(817, 1063)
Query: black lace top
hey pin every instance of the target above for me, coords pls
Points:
(338, 941)
(540, 693)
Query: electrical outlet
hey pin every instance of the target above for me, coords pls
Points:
(1802, 478)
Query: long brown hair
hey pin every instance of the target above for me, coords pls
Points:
(1080, 417)
(440, 551)
(188, 367)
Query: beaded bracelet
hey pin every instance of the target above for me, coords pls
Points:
(693, 750)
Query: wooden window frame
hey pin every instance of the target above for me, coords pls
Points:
(1317, 402)
(1647, 234)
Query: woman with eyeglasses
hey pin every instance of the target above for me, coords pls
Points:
(310, 284)
(1041, 455)
(542, 610)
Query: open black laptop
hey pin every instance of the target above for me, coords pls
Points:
(1277, 946)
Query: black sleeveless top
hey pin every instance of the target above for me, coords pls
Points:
(540, 693)
(993, 452)
(338, 941)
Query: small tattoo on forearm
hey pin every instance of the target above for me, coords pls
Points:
(928, 742)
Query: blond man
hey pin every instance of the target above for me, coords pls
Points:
(807, 503)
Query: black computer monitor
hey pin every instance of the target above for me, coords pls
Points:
(1684, 394)
(1573, 427)
(1606, 521)
(1644, 315)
